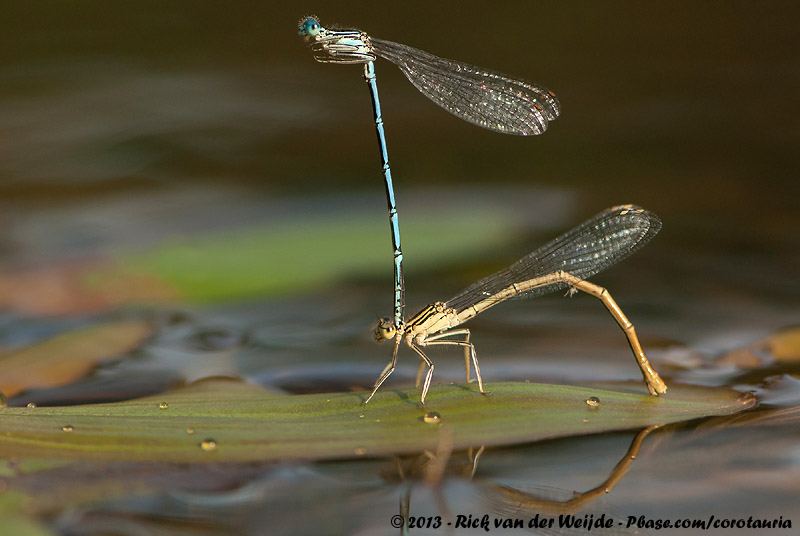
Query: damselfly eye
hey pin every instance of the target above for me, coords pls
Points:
(384, 330)
(310, 27)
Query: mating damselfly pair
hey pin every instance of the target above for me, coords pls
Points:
(504, 104)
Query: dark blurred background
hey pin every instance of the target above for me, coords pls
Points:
(679, 102)
(686, 108)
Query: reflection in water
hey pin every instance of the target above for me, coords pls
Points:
(519, 502)
(510, 501)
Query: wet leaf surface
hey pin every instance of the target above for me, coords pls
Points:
(220, 420)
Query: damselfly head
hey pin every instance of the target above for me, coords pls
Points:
(384, 330)
(309, 27)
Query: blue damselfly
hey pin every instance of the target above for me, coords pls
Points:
(480, 96)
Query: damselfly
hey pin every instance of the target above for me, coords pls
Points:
(480, 96)
(487, 98)
(564, 263)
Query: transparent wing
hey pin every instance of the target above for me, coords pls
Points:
(486, 98)
(584, 251)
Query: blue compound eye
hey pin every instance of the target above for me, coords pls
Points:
(310, 27)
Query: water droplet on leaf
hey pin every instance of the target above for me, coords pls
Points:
(432, 417)
(208, 445)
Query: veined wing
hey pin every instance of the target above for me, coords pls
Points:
(584, 251)
(483, 97)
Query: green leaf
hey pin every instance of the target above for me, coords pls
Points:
(285, 258)
(295, 254)
(240, 422)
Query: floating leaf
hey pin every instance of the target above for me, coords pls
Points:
(216, 421)
(68, 356)
(783, 345)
